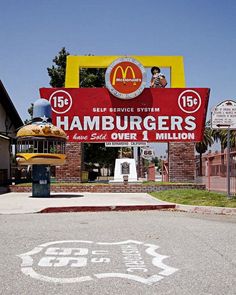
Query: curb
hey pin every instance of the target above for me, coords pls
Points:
(106, 208)
(206, 209)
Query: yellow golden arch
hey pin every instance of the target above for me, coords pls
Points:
(74, 63)
(123, 73)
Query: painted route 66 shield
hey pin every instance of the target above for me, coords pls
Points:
(74, 261)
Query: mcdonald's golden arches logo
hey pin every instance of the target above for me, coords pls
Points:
(125, 78)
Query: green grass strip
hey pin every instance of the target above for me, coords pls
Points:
(195, 197)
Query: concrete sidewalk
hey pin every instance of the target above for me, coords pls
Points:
(18, 203)
(22, 203)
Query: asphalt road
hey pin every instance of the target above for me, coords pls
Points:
(152, 252)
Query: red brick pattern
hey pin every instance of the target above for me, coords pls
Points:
(71, 171)
(110, 188)
(181, 162)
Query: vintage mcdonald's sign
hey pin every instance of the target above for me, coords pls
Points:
(125, 78)
(110, 114)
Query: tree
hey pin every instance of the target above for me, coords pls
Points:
(89, 77)
(157, 162)
(57, 73)
(220, 135)
(201, 147)
(97, 152)
(92, 77)
(30, 111)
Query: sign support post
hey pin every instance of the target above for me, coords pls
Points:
(228, 157)
(223, 116)
(208, 173)
(228, 162)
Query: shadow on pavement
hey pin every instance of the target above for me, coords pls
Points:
(57, 196)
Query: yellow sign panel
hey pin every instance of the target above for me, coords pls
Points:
(74, 63)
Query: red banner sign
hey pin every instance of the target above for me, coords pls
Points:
(156, 115)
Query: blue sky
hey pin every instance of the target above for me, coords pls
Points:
(33, 32)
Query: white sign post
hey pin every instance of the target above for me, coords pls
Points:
(223, 116)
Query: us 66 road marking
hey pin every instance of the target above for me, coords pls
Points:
(76, 261)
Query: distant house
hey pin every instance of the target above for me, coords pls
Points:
(9, 122)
